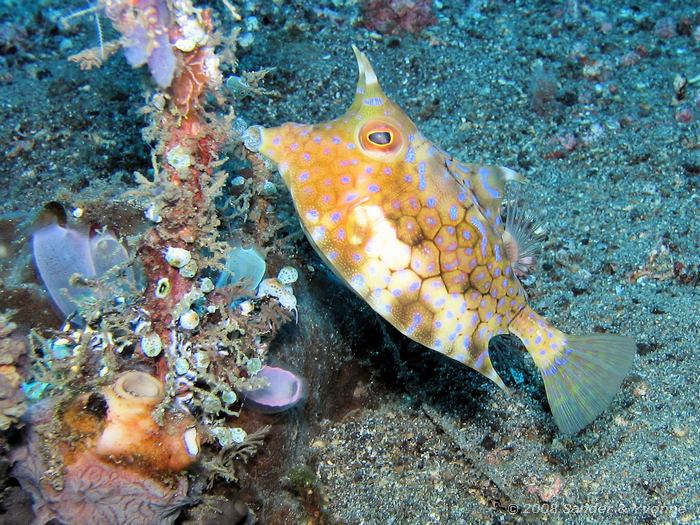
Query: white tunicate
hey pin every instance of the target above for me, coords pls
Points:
(253, 365)
(177, 257)
(246, 307)
(151, 344)
(227, 436)
(288, 275)
(238, 435)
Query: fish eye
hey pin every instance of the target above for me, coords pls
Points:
(380, 137)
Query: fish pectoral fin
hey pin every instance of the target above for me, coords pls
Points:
(522, 238)
(581, 374)
(487, 183)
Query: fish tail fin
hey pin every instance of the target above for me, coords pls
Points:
(581, 374)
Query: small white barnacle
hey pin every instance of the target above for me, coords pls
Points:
(189, 320)
(288, 275)
(152, 213)
(206, 285)
(182, 366)
(177, 257)
(151, 344)
(280, 291)
(189, 270)
(246, 307)
(191, 439)
(179, 158)
(162, 288)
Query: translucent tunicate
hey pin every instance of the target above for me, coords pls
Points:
(60, 252)
(243, 266)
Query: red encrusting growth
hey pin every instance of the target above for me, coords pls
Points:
(187, 141)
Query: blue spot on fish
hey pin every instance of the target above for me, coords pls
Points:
(410, 155)
(453, 212)
(497, 253)
(357, 281)
(484, 179)
(373, 101)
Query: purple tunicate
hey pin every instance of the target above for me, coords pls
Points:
(286, 390)
(161, 62)
(61, 252)
(135, 50)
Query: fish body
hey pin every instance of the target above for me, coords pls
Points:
(418, 235)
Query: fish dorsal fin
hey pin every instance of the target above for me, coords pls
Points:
(487, 184)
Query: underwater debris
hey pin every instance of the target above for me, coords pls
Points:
(396, 16)
(194, 350)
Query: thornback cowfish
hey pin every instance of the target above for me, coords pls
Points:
(418, 235)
